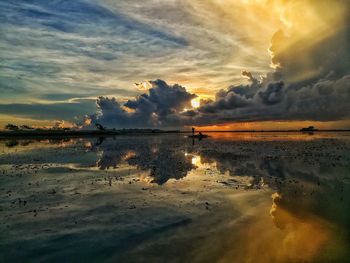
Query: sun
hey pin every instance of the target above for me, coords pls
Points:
(195, 103)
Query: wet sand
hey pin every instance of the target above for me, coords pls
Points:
(166, 198)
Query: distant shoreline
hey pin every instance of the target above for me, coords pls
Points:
(78, 133)
(96, 133)
(237, 131)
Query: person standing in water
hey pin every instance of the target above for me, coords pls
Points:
(193, 130)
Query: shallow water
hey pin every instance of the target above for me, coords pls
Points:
(234, 197)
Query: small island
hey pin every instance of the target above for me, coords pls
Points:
(309, 129)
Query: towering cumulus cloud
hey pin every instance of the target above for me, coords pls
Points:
(160, 107)
(310, 79)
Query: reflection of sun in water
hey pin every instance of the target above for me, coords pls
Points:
(196, 160)
(195, 103)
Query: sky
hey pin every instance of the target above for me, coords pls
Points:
(215, 64)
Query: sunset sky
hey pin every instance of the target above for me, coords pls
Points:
(217, 64)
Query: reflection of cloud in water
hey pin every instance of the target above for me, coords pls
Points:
(288, 237)
(309, 210)
(156, 155)
(296, 169)
(165, 157)
(302, 238)
(196, 160)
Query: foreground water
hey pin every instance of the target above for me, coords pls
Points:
(250, 197)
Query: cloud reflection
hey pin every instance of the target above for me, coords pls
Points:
(309, 208)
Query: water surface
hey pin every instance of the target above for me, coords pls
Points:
(234, 197)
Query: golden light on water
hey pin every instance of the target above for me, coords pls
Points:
(196, 160)
(301, 238)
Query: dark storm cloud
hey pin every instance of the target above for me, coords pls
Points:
(324, 100)
(160, 107)
(311, 81)
(225, 101)
(165, 98)
(239, 96)
(273, 93)
(288, 93)
(306, 58)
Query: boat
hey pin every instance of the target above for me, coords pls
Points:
(309, 129)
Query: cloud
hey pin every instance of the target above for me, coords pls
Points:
(313, 45)
(52, 111)
(163, 106)
(324, 100)
(155, 156)
(311, 80)
(273, 93)
(59, 50)
(160, 107)
(72, 47)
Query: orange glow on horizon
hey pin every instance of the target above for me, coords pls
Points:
(275, 125)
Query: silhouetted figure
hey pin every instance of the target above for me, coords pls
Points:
(200, 136)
